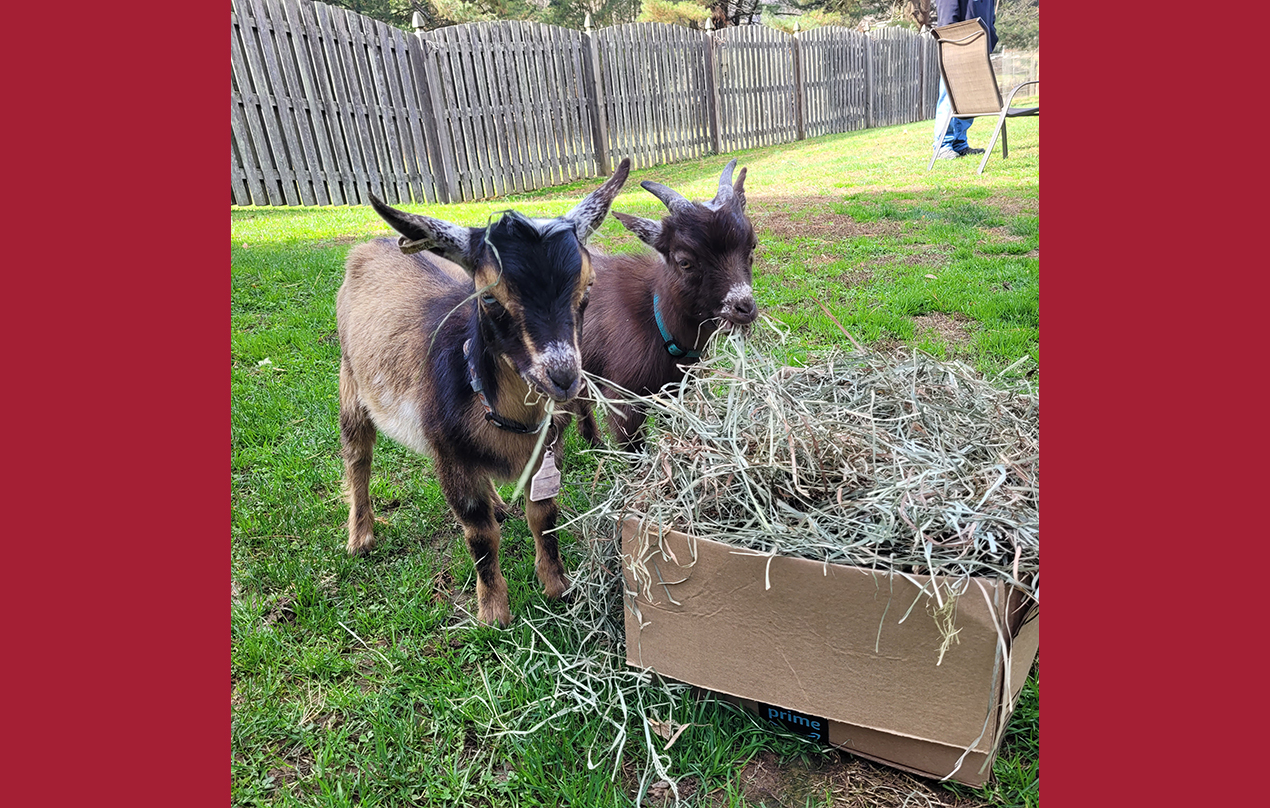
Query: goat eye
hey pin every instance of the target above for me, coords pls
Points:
(685, 264)
(489, 300)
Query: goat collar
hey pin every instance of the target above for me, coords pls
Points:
(490, 415)
(673, 348)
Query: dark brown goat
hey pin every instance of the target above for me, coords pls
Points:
(455, 353)
(652, 314)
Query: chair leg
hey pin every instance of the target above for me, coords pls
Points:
(999, 130)
(1005, 141)
(939, 141)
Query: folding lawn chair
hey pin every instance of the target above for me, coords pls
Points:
(972, 86)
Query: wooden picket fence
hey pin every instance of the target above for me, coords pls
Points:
(328, 106)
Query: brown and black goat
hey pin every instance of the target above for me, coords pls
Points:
(652, 314)
(454, 352)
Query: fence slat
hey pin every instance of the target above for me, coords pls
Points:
(530, 123)
(245, 130)
(327, 105)
(293, 166)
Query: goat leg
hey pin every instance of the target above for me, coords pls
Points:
(627, 423)
(470, 499)
(501, 509)
(588, 429)
(542, 517)
(357, 445)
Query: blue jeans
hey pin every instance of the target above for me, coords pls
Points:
(955, 138)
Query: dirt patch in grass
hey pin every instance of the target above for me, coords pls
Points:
(953, 329)
(444, 587)
(343, 241)
(840, 781)
(283, 609)
(813, 217)
(1013, 206)
(660, 793)
(299, 766)
(856, 277)
(928, 257)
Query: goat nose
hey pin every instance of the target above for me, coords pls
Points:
(746, 307)
(563, 378)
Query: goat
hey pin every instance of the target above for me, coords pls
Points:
(467, 381)
(652, 314)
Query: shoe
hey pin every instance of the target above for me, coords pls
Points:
(946, 153)
(969, 150)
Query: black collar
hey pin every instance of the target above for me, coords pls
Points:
(490, 415)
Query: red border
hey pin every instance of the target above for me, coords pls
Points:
(116, 411)
(1144, 217)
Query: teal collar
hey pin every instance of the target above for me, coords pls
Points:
(673, 348)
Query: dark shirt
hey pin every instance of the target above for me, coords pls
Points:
(950, 11)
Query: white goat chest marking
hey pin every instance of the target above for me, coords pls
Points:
(400, 421)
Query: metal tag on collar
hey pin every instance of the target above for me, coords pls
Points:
(545, 483)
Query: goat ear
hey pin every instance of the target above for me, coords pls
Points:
(646, 229)
(590, 212)
(739, 189)
(419, 233)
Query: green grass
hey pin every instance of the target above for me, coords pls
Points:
(350, 685)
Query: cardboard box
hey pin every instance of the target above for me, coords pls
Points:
(828, 651)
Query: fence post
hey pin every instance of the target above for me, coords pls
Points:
(712, 87)
(595, 100)
(921, 78)
(799, 128)
(440, 146)
(869, 89)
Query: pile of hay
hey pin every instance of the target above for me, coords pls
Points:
(905, 465)
(911, 465)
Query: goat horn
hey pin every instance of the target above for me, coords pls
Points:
(671, 198)
(725, 192)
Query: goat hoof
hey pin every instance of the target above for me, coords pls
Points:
(558, 587)
(497, 614)
(360, 547)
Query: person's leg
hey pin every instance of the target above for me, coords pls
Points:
(955, 135)
(943, 111)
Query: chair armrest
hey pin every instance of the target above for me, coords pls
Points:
(1009, 100)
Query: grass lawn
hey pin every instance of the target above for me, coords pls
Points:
(357, 681)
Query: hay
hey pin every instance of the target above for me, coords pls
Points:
(913, 466)
(907, 465)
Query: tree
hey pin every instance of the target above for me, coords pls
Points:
(922, 13)
(1019, 23)
(691, 14)
(439, 13)
(393, 12)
